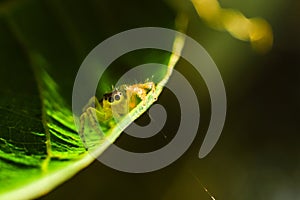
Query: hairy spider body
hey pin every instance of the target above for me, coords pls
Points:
(112, 106)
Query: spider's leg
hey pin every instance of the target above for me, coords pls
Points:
(131, 102)
(92, 114)
(149, 85)
(81, 129)
(93, 102)
(141, 89)
(115, 113)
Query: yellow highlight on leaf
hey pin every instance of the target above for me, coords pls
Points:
(255, 30)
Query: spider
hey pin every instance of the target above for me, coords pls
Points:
(113, 105)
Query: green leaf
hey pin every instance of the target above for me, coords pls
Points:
(39, 144)
(39, 148)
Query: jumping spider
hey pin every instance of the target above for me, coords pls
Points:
(113, 105)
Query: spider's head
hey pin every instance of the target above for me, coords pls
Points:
(113, 98)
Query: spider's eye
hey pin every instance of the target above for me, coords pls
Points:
(117, 97)
(110, 99)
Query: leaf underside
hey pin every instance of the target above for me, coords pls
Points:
(39, 144)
